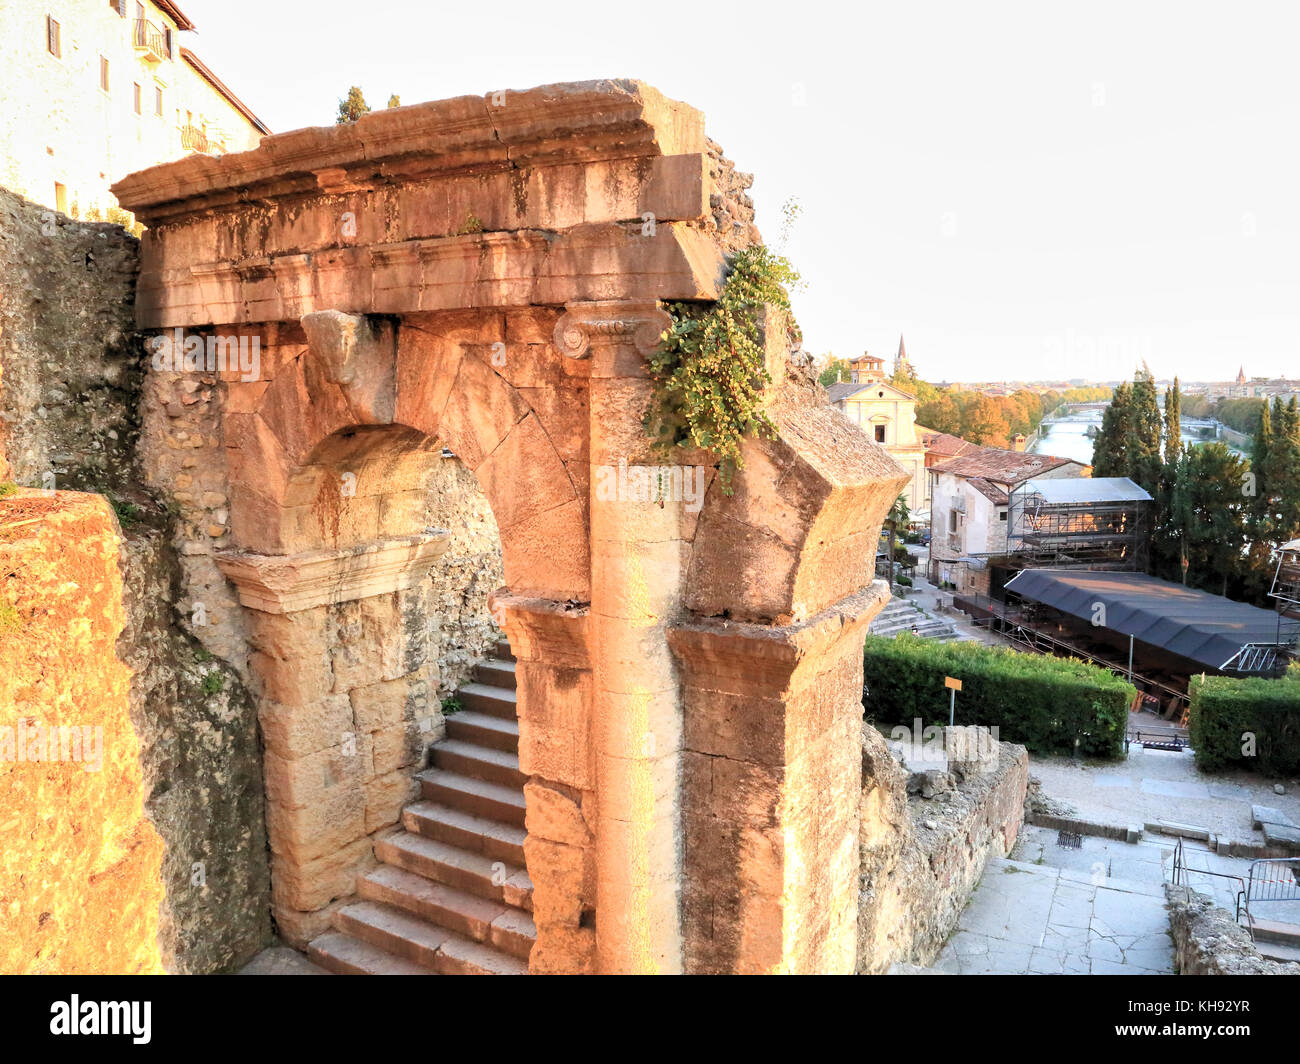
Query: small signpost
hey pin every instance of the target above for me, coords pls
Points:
(954, 685)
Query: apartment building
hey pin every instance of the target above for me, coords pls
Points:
(971, 496)
(96, 89)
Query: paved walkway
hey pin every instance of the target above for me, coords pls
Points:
(1029, 919)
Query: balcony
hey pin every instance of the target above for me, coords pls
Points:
(150, 41)
(195, 139)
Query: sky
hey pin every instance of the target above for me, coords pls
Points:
(1024, 190)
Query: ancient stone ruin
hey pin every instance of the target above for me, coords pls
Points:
(394, 366)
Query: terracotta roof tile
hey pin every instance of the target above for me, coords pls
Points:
(1005, 467)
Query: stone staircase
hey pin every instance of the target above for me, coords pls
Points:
(899, 615)
(451, 896)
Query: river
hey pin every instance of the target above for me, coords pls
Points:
(1068, 438)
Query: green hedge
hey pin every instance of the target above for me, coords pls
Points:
(1043, 702)
(1224, 709)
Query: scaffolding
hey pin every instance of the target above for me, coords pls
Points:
(1079, 522)
(1285, 594)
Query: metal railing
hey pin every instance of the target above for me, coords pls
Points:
(194, 139)
(1271, 879)
(149, 39)
(1182, 874)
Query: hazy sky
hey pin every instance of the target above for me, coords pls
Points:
(1026, 190)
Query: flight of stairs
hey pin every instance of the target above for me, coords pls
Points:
(451, 895)
(899, 615)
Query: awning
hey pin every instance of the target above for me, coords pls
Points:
(1204, 628)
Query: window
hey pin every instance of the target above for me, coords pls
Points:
(61, 198)
(952, 520)
(52, 37)
(157, 101)
(103, 73)
(880, 433)
(1002, 515)
(135, 97)
(167, 38)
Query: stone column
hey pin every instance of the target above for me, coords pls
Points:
(771, 790)
(637, 556)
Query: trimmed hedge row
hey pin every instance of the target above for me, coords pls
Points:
(1042, 702)
(1224, 709)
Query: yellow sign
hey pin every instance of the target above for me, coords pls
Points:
(952, 682)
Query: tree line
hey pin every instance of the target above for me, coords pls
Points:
(987, 420)
(1219, 515)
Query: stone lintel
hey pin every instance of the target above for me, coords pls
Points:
(479, 270)
(286, 583)
(545, 631)
(739, 656)
(548, 125)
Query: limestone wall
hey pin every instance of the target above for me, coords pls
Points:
(68, 371)
(1209, 941)
(922, 856)
(71, 372)
(80, 883)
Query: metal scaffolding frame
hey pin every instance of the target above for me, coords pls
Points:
(1100, 533)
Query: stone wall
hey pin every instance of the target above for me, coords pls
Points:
(80, 884)
(923, 854)
(1209, 941)
(69, 372)
(71, 376)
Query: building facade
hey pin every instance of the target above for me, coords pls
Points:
(887, 415)
(97, 89)
(970, 497)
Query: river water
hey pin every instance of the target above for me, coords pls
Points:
(1069, 437)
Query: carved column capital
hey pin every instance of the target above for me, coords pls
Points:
(638, 323)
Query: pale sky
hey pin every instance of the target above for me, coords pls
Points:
(1030, 190)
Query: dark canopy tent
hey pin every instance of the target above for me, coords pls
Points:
(1204, 628)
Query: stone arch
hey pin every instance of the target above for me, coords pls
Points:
(689, 697)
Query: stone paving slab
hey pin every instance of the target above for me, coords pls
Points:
(281, 960)
(1266, 814)
(1032, 919)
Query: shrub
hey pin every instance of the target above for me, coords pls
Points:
(903, 581)
(1225, 711)
(1043, 702)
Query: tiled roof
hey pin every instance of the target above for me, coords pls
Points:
(842, 390)
(989, 490)
(1005, 467)
(946, 443)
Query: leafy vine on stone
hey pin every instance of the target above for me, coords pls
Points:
(709, 369)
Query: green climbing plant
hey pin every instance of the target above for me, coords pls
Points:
(709, 369)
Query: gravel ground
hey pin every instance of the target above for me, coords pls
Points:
(1159, 785)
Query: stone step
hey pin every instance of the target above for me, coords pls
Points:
(415, 939)
(473, 796)
(467, 915)
(1274, 931)
(496, 673)
(465, 870)
(480, 762)
(345, 955)
(1277, 951)
(484, 729)
(502, 651)
(493, 701)
(392, 930)
(492, 838)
